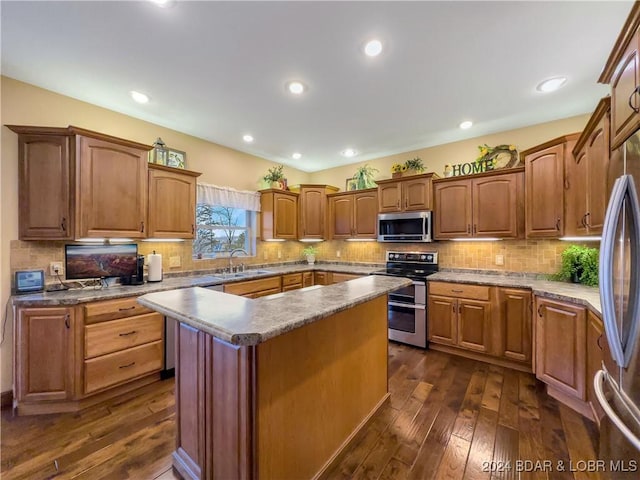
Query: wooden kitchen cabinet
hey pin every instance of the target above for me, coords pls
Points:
(354, 214)
(622, 72)
(513, 325)
(307, 279)
(460, 315)
(337, 277)
(172, 202)
(487, 205)
(561, 346)
(312, 211)
(75, 183)
(278, 215)
(255, 288)
(544, 186)
(322, 278)
(596, 344)
(413, 193)
(44, 355)
(291, 281)
(586, 176)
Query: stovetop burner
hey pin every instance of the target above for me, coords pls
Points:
(414, 265)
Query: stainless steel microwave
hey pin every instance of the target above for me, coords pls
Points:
(404, 227)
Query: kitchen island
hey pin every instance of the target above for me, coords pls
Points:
(275, 387)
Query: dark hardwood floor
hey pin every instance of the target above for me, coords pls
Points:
(448, 417)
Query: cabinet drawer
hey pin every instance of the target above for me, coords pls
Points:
(119, 367)
(107, 337)
(112, 309)
(292, 287)
(477, 292)
(254, 286)
(342, 277)
(291, 279)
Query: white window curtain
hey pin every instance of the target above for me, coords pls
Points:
(228, 197)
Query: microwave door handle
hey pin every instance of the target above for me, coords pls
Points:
(606, 269)
(407, 305)
(600, 377)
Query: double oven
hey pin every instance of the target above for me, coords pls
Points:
(407, 307)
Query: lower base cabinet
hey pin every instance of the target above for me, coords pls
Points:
(513, 326)
(255, 288)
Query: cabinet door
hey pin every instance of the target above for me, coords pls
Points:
(443, 320)
(560, 346)
(341, 215)
(576, 194)
(390, 197)
(307, 279)
(544, 174)
(595, 356)
(112, 190)
(495, 206)
(365, 215)
(624, 119)
(474, 325)
(44, 354)
(45, 211)
(312, 212)
(453, 210)
(514, 324)
(417, 194)
(598, 166)
(285, 216)
(322, 278)
(172, 204)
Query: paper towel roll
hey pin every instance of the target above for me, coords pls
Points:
(154, 261)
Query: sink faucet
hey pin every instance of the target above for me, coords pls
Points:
(234, 251)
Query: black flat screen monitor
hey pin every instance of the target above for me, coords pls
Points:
(98, 261)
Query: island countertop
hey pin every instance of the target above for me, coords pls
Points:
(243, 321)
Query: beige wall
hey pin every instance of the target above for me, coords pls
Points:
(24, 104)
(435, 158)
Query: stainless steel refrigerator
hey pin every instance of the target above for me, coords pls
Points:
(617, 385)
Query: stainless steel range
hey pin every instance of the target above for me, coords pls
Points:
(407, 307)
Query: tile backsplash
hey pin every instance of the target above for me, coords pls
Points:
(531, 256)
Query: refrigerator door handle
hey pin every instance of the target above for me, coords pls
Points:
(598, 380)
(623, 190)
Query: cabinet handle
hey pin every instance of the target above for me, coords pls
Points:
(406, 203)
(66, 321)
(474, 229)
(586, 219)
(128, 308)
(128, 365)
(468, 228)
(63, 224)
(635, 90)
(567, 185)
(193, 229)
(582, 221)
(598, 342)
(454, 308)
(142, 227)
(459, 308)
(456, 291)
(558, 224)
(539, 310)
(398, 204)
(128, 333)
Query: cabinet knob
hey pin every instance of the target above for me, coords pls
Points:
(142, 227)
(66, 321)
(193, 229)
(598, 342)
(558, 224)
(540, 310)
(63, 224)
(631, 106)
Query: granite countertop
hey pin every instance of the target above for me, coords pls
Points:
(568, 292)
(243, 321)
(186, 280)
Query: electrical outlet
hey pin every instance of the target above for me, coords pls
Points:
(56, 268)
(279, 253)
(175, 261)
(499, 259)
(338, 253)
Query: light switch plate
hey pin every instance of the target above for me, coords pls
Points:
(53, 266)
(499, 259)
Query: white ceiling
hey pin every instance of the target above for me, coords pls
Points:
(217, 70)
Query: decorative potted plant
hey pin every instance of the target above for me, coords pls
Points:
(310, 253)
(579, 265)
(414, 166)
(275, 177)
(364, 177)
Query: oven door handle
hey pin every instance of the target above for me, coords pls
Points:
(407, 305)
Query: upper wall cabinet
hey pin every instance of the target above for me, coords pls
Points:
(622, 72)
(75, 183)
(586, 176)
(278, 215)
(312, 211)
(174, 218)
(413, 193)
(544, 186)
(353, 214)
(486, 205)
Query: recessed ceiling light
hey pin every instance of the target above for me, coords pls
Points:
(164, 3)
(296, 87)
(349, 152)
(139, 97)
(373, 48)
(551, 84)
(296, 156)
(247, 138)
(466, 124)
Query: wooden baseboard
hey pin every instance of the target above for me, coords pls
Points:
(522, 367)
(580, 406)
(6, 399)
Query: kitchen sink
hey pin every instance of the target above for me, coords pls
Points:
(248, 273)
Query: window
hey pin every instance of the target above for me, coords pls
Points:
(219, 230)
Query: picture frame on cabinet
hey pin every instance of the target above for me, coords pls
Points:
(176, 159)
(351, 185)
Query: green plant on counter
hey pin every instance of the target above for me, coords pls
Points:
(364, 177)
(310, 250)
(579, 265)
